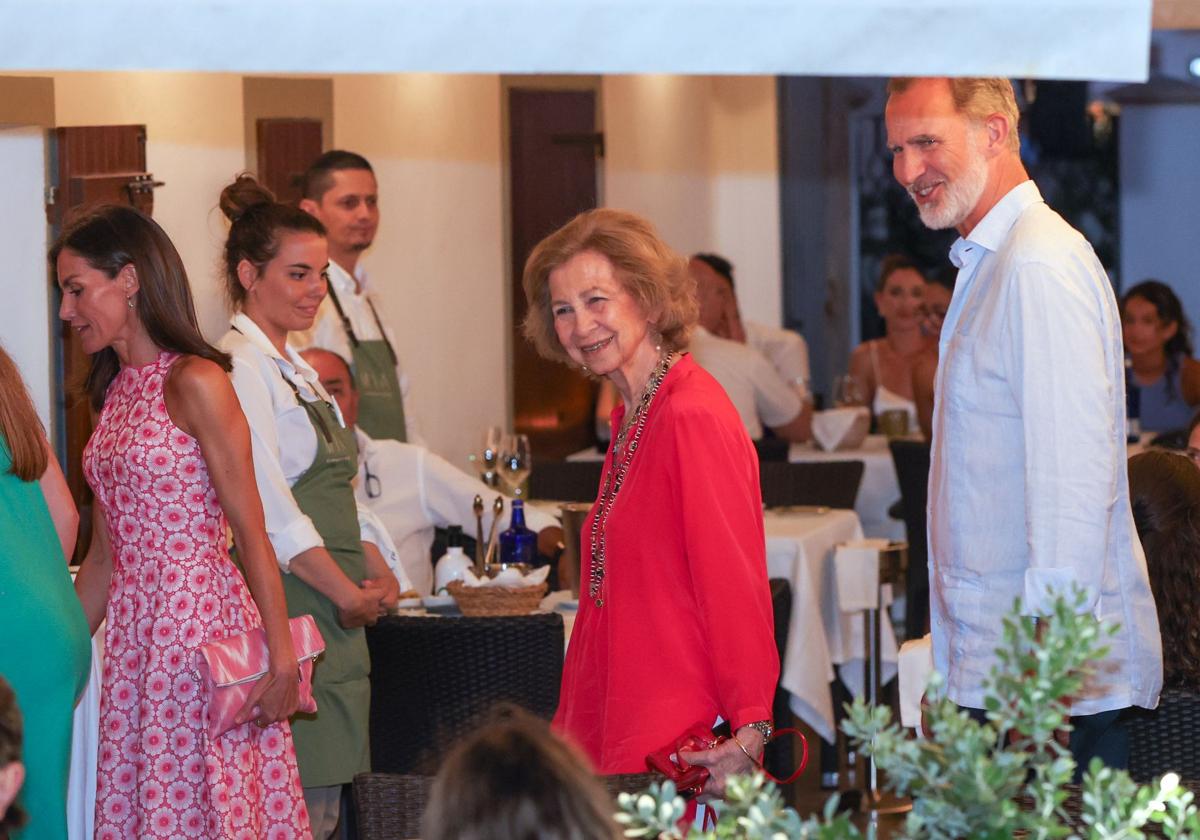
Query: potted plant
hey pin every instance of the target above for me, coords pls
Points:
(998, 779)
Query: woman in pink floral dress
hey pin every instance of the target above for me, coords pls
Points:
(168, 462)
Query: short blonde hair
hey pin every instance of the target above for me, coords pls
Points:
(654, 275)
(977, 99)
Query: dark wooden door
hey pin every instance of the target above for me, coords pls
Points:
(90, 165)
(553, 151)
(286, 147)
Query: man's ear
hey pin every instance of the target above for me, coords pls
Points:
(997, 128)
(309, 206)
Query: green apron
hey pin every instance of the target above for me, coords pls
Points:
(380, 400)
(332, 745)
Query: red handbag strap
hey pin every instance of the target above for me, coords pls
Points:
(803, 756)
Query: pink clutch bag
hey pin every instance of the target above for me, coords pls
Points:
(230, 667)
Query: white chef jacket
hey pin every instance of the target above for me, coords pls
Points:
(328, 332)
(416, 491)
(785, 349)
(284, 442)
(759, 394)
(1028, 487)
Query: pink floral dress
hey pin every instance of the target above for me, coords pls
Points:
(173, 589)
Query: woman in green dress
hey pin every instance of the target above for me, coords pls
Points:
(45, 650)
(304, 461)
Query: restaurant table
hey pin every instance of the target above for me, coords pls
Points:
(800, 549)
(880, 488)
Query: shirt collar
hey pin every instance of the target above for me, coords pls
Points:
(292, 365)
(344, 282)
(993, 228)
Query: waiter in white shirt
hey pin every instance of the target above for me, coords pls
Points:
(413, 491)
(1028, 491)
(340, 190)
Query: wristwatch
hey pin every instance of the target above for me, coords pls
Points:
(764, 727)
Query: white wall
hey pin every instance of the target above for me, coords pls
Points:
(698, 155)
(194, 142)
(25, 317)
(1160, 199)
(438, 261)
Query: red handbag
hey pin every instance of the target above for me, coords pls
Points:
(690, 779)
(230, 667)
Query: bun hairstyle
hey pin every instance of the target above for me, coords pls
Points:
(256, 220)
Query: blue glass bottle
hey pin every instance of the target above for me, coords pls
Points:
(518, 544)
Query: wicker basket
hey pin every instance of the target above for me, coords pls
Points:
(496, 600)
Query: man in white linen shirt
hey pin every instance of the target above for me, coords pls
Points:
(340, 190)
(413, 491)
(1028, 491)
(785, 349)
(757, 391)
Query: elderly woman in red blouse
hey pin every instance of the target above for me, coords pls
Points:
(674, 625)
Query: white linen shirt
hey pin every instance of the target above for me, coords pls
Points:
(1028, 490)
(284, 442)
(785, 349)
(759, 394)
(418, 491)
(328, 332)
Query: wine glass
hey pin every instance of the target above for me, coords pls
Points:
(516, 462)
(493, 442)
(847, 392)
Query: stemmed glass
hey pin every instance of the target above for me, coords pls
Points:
(847, 392)
(493, 442)
(516, 462)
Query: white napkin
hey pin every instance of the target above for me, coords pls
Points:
(841, 428)
(856, 566)
(509, 577)
(916, 664)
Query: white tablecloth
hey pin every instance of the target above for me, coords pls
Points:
(800, 549)
(85, 745)
(880, 488)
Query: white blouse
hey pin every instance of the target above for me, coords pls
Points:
(284, 442)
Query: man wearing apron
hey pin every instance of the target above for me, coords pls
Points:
(340, 191)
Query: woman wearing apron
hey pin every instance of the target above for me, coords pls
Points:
(305, 459)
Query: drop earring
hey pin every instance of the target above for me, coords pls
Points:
(129, 300)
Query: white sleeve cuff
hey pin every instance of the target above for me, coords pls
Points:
(371, 530)
(298, 537)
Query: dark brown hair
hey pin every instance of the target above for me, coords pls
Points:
(1169, 310)
(113, 236)
(893, 263)
(655, 276)
(318, 178)
(514, 780)
(19, 424)
(1164, 489)
(256, 220)
(11, 736)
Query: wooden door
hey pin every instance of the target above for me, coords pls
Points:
(89, 165)
(286, 147)
(553, 150)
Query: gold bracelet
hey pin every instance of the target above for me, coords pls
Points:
(756, 762)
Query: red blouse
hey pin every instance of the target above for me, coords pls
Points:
(686, 631)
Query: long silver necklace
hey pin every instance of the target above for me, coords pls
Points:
(623, 453)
